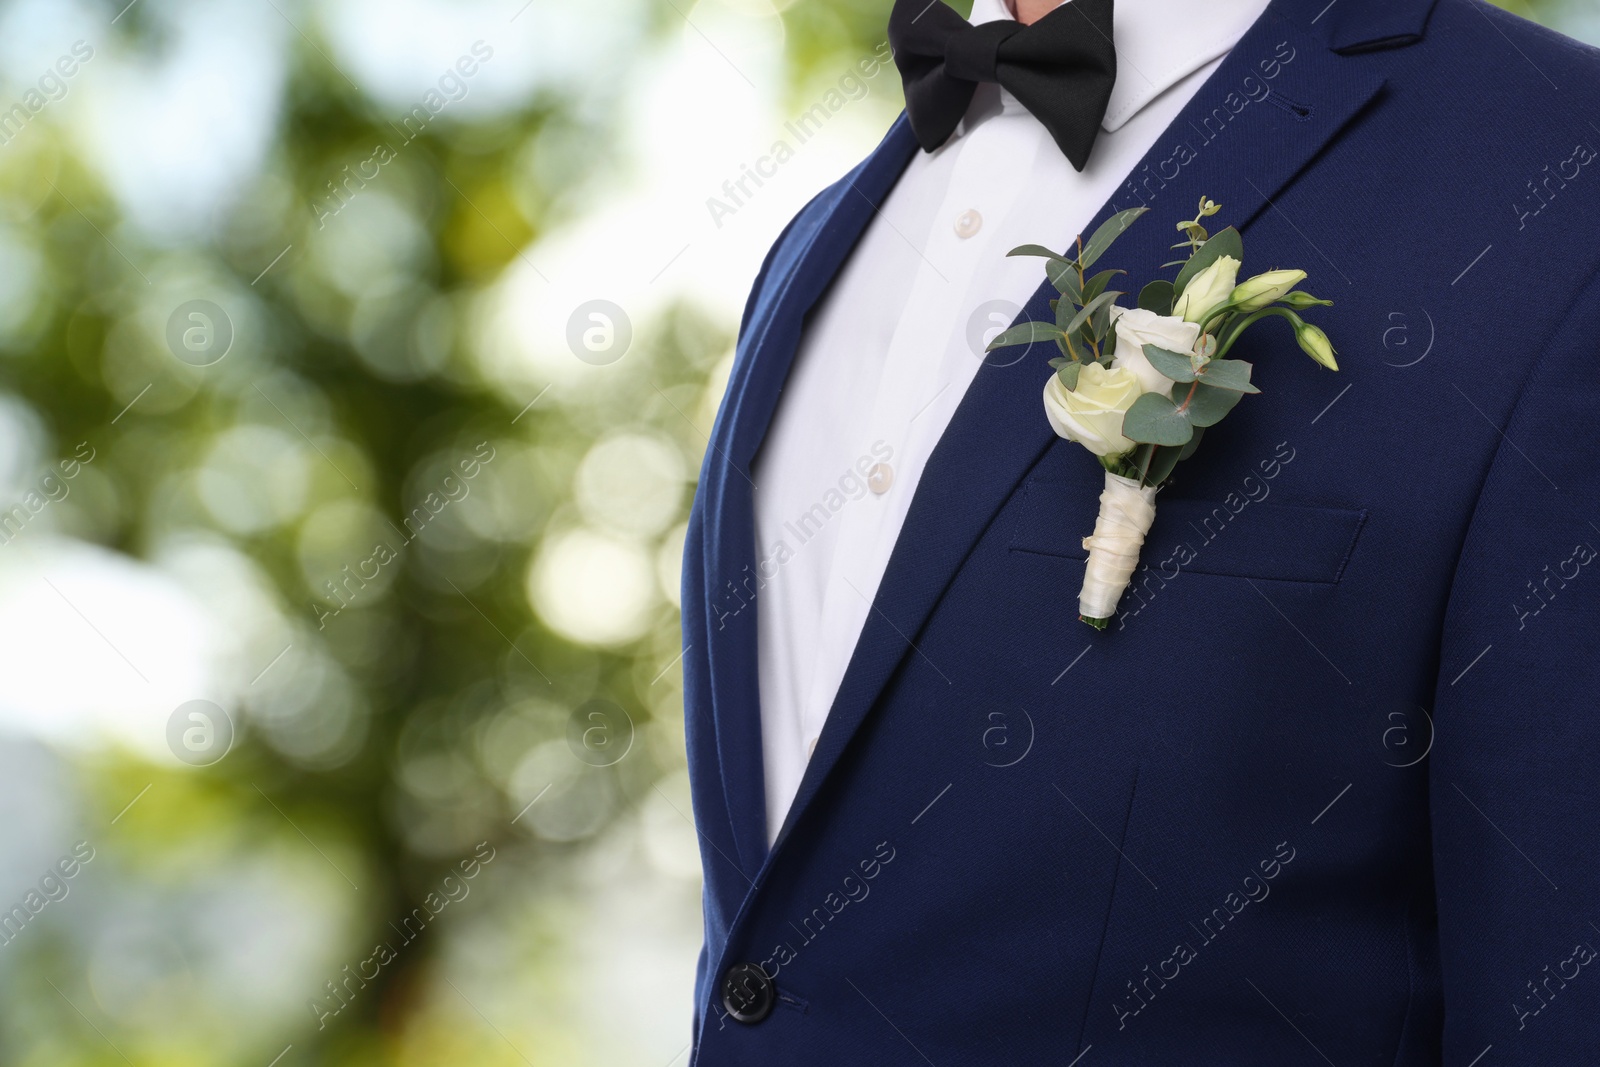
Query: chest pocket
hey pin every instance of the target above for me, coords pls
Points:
(1237, 537)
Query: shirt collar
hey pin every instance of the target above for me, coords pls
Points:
(1159, 43)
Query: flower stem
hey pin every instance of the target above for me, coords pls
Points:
(1093, 343)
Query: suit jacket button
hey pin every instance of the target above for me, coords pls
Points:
(747, 993)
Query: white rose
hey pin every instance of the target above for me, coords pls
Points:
(1092, 413)
(1208, 289)
(1137, 327)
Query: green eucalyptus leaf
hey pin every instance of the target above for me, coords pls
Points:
(1194, 443)
(1069, 347)
(1100, 323)
(1207, 406)
(1026, 333)
(1132, 464)
(1225, 243)
(1065, 310)
(1158, 297)
(1179, 368)
(1226, 374)
(1162, 460)
(1155, 419)
(1068, 373)
(1097, 285)
(1108, 232)
(1064, 276)
(1036, 250)
(1089, 309)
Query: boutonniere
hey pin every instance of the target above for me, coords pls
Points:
(1138, 386)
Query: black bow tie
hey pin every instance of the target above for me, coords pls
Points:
(1061, 68)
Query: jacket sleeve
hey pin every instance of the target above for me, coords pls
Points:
(1514, 775)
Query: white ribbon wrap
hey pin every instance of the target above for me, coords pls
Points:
(1126, 511)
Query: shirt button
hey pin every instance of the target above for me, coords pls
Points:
(968, 224)
(880, 478)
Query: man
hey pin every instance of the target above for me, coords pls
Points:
(1325, 790)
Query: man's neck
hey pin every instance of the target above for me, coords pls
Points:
(1030, 11)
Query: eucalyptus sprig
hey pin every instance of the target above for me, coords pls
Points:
(1082, 327)
(1194, 232)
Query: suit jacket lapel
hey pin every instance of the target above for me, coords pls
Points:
(805, 262)
(1236, 151)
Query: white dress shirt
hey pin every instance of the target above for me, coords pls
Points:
(891, 349)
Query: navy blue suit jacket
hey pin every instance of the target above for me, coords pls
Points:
(1326, 792)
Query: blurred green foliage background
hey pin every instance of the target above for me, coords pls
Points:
(413, 530)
